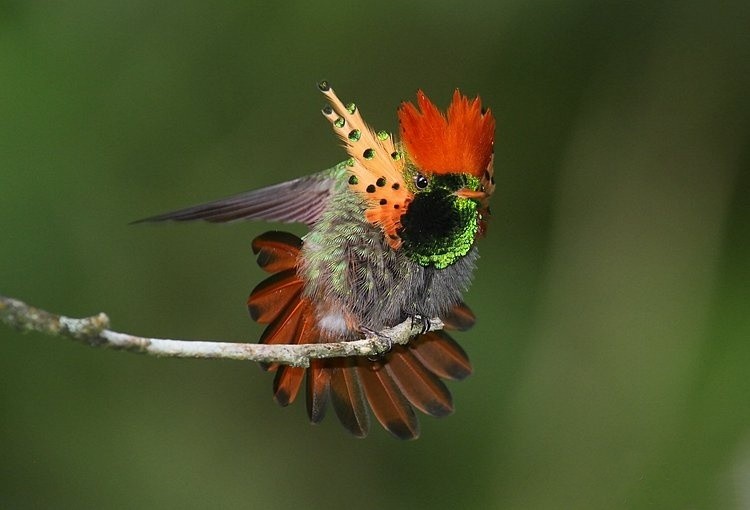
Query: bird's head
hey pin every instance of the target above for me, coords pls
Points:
(448, 167)
(428, 192)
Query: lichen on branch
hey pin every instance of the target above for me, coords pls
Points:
(95, 332)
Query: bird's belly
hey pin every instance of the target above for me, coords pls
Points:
(379, 288)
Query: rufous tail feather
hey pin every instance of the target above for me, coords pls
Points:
(405, 379)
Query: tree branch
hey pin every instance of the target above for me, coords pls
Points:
(95, 332)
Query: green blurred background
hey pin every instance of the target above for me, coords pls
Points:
(612, 351)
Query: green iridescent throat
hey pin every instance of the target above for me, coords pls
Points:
(439, 227)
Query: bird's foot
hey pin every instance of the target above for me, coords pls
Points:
(424, 320)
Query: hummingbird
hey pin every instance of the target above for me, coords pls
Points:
(392, 236)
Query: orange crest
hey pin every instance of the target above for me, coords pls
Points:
(375, 166)
(460, 141)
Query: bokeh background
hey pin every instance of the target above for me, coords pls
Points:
(612, 350)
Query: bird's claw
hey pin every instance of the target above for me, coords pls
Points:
(424, 320)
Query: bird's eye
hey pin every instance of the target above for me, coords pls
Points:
(421, 181)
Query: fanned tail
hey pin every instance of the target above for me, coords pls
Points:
(409, 377)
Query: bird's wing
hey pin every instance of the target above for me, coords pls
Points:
(297, 201)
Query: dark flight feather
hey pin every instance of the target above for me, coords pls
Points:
(298, 201)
